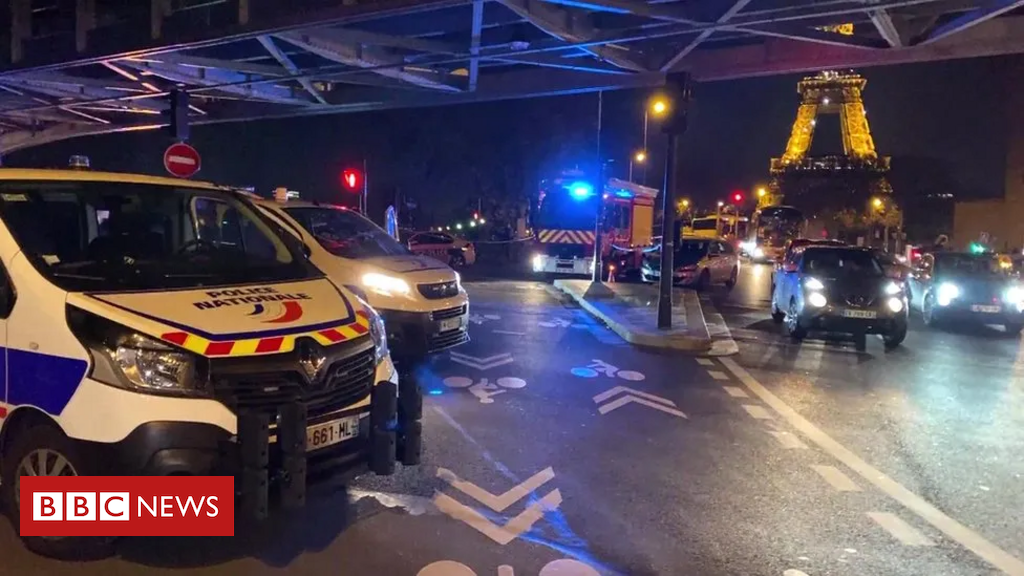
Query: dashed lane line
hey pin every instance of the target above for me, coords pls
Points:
(718, 375)
(705, 362)
(900, 530)
(788, 441)
(757, 412)
(956, 531)
(735, 391)
(835, 477)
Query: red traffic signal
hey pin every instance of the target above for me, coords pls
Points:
(351, 179)
(737, 197)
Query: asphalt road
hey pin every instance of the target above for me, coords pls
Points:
(554, 449)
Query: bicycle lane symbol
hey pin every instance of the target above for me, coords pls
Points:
(598, 367)
(563, 567)
(483, 389)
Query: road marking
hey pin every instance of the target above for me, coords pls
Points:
(788, 441)
(509, 332)
(900, 530)
(498, 503)
(735, 391)
(635, 396)
(718, 375)
(500, 534)
(705, 362)
(506, 570)
(794, 572)
(836, 478)
(481, 363)
(757, 412)
(954, 530)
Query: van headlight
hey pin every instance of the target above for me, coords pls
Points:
(538, 262)
(385, 285)
(892, 289)
(151, 365)
(379, 335)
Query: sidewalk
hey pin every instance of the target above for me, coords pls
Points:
(631, 311)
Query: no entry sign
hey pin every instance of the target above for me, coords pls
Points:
(181, 160)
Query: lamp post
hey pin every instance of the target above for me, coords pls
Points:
(659, 107)
(640, 158)
(674, 128)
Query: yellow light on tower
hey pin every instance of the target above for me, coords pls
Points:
(640, 157)
(877, 203)
(686, 203)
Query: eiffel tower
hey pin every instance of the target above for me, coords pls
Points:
(826, 186)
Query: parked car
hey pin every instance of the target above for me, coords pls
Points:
(840, 289)
(699, 262)
(456, 252)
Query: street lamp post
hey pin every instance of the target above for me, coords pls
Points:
(640, 158)
(659, 106)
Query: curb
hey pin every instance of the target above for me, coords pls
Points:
(653, 340)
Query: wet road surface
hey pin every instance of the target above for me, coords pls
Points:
(555, 449)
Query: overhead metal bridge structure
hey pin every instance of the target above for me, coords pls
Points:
(81, 67)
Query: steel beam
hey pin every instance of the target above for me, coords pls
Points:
(326, 44)
(392, 41)
(970, 19)
(886, 28)
(222, 78)
(474, 43)
(569, 27)
(268, 44)
(701, 37)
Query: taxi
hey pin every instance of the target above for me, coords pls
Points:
(424, 306)
(156, 326)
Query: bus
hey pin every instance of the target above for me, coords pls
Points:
(770, 228)
(729, 226)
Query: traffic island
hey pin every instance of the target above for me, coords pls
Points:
(631, 311)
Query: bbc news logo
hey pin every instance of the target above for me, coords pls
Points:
(127, 506)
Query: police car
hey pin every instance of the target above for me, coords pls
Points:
(155, 326)
(424, 306)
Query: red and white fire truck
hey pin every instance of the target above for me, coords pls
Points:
(566, 223)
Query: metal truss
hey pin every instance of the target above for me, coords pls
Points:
(99, 70)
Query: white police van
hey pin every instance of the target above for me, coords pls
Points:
(155, 326)
(424, 306)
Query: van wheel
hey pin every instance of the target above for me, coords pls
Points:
(43, 450)
(732, 277)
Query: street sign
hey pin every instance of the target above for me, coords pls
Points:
(181, 160)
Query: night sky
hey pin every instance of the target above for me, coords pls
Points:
(947, 116)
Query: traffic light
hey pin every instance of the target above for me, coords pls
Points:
(737, 197)
(352, 180)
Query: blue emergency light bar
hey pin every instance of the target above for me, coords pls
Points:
(581, 190)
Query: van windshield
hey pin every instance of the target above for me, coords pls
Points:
(346, 234)
(122, 236)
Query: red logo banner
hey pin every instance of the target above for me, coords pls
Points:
(127, 506)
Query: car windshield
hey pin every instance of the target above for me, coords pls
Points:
(692, 248)
(831, 262)
(116, 236)
(968, 265)
(705, 224)
(346, 234)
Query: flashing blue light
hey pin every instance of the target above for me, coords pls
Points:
(435, 392)
(581, 190)
(623, 193)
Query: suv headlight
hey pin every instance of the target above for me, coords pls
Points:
(126, 359)
(379, 335)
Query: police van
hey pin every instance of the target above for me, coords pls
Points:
(424, 305)
(156, 326)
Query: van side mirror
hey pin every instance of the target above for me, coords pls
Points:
(307, 251)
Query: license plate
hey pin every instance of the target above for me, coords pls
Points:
(449, 324)
(986, 309)
(860, 314)
(331, 433)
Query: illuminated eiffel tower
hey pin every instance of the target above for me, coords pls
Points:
(831, 184)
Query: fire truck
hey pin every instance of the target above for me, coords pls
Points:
(566, 223)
